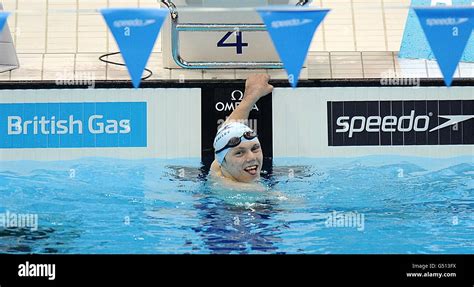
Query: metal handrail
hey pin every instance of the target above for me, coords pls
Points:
(303, 2)
(176, 28)
(172, 8)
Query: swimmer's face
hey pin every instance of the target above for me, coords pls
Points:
(244, 162)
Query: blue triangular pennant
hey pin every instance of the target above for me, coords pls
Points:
(135, 30)
(292, 30)
(414, 44)
(447, 31)
(3, 19)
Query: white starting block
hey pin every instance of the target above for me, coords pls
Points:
(218, 38)
(8, 57)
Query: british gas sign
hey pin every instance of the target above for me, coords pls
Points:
(73, 125)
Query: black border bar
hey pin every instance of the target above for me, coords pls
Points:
(124, 84)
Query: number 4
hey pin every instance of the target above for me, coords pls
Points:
(238, 42)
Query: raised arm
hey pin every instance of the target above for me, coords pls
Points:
(256, 87)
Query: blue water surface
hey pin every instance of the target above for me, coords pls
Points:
(102, 205)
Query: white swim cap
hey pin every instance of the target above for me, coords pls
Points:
(225, 133)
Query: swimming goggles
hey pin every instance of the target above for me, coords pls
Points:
(235, 141)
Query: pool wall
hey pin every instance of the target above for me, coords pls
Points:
(319, 119)
(327, 122)
(163, 123)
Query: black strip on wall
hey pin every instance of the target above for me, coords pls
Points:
(400, 123)
(218, 102)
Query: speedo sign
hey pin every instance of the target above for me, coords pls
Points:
(73, 125)
(369, 123)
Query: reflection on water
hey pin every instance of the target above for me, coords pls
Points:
(238, 221)
(242, 226)
(413, 205)
(43, 240)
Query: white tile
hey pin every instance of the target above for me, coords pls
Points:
(348, 74)
(148, 3)
(32, 5)
(89, 63)
(97, 44)
(92, 4)
(319, 65)
(183, 75)
(118, 73)
(244, 74)
(374, 61)
(466, 70)
(58, 66)
(409, 68)
(277, 74)
(5, 76)
(30, 67)
(435, 72)
(123, 3)
(281, 74)
(219, 74)
(61, 46)
(318, 58)
(338, 45)
(155, 64)
(319, 73)
(346, 63)
(9, 4)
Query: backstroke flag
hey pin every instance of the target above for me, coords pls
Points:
(3, 19)
(135, 30)
(415, 46)
(447, 31)
(292, 30)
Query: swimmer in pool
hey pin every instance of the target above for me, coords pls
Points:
(238, 154)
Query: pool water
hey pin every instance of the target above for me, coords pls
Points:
(377, 204)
